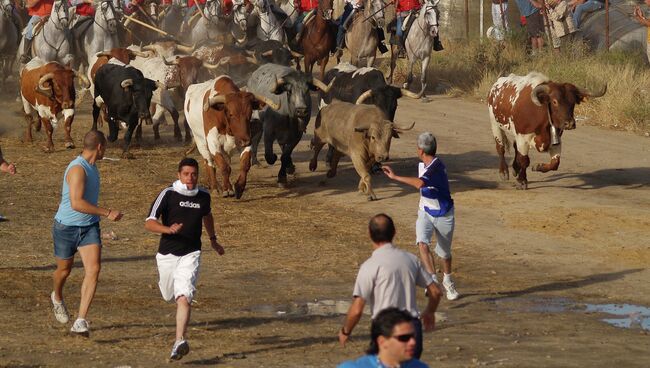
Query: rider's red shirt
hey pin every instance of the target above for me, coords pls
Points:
(85, 9)
(41, 8)
(307, 5)
(191, 3)
(406, 5)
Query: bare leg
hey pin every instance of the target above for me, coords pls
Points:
(183, 311)
(91, 258)
(60, 275)
(427, 258)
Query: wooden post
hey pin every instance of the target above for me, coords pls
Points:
(607, 24)
(467, 19)
(480, 27)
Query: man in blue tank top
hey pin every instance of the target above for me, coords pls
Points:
(76, 228)
(436, 212)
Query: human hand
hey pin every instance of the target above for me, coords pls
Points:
(343, 338)
(388, 171)
(114, 215)
(429, 321)
(9, 168)
(174, 228)
(217, 247)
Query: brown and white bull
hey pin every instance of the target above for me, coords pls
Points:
(47, 89)
(533, 112)
(360, 131)
(219, 115)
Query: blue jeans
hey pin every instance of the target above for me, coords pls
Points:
(29, 33)
(398, 24)
(340, 35)
(67, 239)
(417, 324)
(587, 7)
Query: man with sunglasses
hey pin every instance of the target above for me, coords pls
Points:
(388, 279)
(392, 342)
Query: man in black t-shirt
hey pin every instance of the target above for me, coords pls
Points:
(182, 207)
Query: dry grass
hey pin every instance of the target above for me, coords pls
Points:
(470, 69)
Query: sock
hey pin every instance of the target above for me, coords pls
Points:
(447, 278)
(434, 277)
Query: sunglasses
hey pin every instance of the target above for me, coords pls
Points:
(404, 338)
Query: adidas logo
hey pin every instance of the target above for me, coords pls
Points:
(189, 204)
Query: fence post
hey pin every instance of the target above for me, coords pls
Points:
(467, 19)
(481, 21)
(607, 24)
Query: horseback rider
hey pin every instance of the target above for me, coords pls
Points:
(351, 7)
(84, 9)
(306, 10)
(404, 8)
(37, 9)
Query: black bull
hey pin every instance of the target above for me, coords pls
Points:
(127, 96)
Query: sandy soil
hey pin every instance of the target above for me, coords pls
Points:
(580, 235)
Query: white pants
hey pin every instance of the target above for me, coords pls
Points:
(178, 275)
(498, 20)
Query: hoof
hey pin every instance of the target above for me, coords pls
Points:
(128, 156)
(48, 149)
(313, 165)
(291, 169)
(271, 159)
(239, 192)
(504, 175)
(521, 185)
(188, 139)
(372, 197)
(282, 185)
(331, 173)
(69, 145)
(425, 99)
(538, 167)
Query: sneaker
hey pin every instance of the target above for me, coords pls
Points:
(450, 287)
(80, 327)
(59, 309)
(180, 349)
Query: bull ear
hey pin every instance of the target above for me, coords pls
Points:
(153, 84)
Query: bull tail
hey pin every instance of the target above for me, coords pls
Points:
(500, 136)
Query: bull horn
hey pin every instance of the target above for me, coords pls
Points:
(268, 102)
(142, 54)
(170, 63)
(403, 129)
(83, 79)
(213, 101)
(321, 85)
(267, 53)
(585, 92)
(540, 88)
(44, 79)
(104, 53)
(250, 52)
(185, 49)
(127, 83)
(252, 60)
(222, 61)
(296, 54)
(364, 96)
(407, 93)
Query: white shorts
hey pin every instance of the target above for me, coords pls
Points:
(443, 226)
(178, 275)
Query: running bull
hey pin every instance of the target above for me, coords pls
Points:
(360, 131)
(533, 111)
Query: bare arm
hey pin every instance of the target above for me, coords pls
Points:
(156, 227)
(208, 222)
(429, 314)
(354, 315)
(417, 183)
(76, 179)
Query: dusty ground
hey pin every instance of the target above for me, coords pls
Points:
(580, 235)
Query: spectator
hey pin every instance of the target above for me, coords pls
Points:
(436, 210)
(500, 19)
(392, 342)
(584, 6)
(388, 279)
(5, 166)
(560, 21)
(534, 23)
(641, 18)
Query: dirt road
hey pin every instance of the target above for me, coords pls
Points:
(526, 262)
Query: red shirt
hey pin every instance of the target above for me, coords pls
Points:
(41, 8)
(307, 5)
(85, 9)
(406, 5)
(191, 3)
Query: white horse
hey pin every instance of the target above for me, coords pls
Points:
(52, 42)
(102, 34)
(214, 22)
(8, 39)
(269, 27)
(419, 43)
(361, 38)
(288, 7)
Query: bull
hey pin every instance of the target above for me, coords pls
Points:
(360, 131)
(290, 89)
(127, 96)
(219, 115)
(47, 89)
(533, 111)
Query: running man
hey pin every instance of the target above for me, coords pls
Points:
(76, 229)
(182, 207)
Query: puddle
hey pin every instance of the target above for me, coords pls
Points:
(626, 315)
(325, 308)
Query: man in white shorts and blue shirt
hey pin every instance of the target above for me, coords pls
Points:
(182, 208)
(436, 210)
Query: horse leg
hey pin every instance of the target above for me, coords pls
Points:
(423, 77)
(323, 64)
(409, 78)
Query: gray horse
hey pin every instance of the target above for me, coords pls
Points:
(8, 39)
(362, 38)
(101, 35)
(419, 43)
(52, 42)
(215, 23)
(268, 27)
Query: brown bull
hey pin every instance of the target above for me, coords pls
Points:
(47, 89)
(533, 111)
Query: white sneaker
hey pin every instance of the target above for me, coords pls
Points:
(59, 309)
(180, 349)
(80, 327)
(450, 287)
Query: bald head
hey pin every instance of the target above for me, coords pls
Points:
(94, 138)
(381, 228)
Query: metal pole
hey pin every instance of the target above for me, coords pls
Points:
(607, 23)
(467, 19)
(480, 27)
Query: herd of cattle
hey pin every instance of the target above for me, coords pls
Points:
(231, 97)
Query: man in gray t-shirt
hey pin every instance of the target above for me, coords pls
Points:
(388, 279)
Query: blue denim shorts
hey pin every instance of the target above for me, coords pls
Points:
(67, 239)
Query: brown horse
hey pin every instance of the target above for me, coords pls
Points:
(319, 37)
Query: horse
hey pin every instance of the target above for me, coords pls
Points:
(170, 18)
(269, 27)
(137, 33)
(419, 43)
(289, 7)
(8, 39)
(101, 35)
(214, 22)
(319, 38)
(52, 42)
(362, 36)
